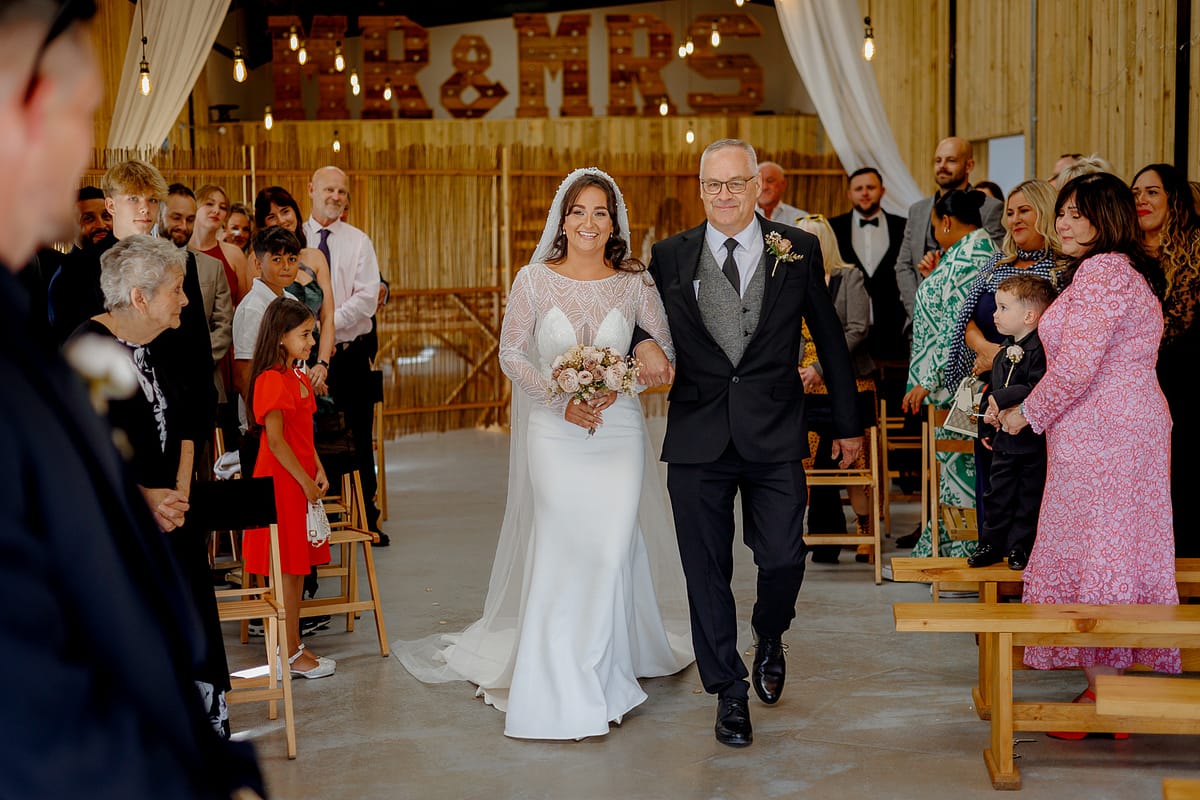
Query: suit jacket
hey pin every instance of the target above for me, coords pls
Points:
(74, 292)
(218, 303)
(1010, 387)
(914, 247)
(759, 404)
(885, 340)
(104, 647)
(853, 307)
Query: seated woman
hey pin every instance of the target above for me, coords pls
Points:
(966, 249)
(849, 292)
(1171, 231)
(1104, 533)
(274, 205)
(1030, 244)
(142, 281)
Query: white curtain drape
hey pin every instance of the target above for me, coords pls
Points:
(825, 40)
(179, 35)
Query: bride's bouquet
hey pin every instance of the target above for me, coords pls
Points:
(584, 371)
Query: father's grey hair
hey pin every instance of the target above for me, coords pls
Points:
(722, 144)
(138, 262)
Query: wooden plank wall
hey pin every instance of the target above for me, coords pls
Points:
(1105, 78)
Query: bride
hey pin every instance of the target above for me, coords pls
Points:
(586, 594)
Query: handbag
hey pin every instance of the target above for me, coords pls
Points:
(318, 524)
(964, 407)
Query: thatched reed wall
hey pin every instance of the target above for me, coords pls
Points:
(456, 208)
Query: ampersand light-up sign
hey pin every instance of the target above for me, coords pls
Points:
(469, 93)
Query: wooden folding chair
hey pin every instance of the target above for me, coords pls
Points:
(960, 522)
(238, 505)
(867, 477)
(381, 498)
(892, 439)
(348, 532)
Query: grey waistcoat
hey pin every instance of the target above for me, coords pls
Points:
(730, 319)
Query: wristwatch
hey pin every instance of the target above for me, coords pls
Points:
(321, 363)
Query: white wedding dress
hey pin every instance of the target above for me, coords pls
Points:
(587, 594)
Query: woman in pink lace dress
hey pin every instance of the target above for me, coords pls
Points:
(1104, 533)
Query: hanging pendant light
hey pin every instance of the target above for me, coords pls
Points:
(664, 108)
(387, 90)
(302, 55)
(868, 39)
(354, 77)
(339, 61)
(690, 46)
(144, 84)
(683, 51)
(293, 40)
(268, 119)
(337, 143)
(716, 36)
(739, 3)
(239, 64)
(690, 136)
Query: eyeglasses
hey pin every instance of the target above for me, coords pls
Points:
(735, 185)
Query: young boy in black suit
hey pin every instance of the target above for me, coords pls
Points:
(1018, 475)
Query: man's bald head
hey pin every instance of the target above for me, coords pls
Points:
(952, 163)
(329, 190)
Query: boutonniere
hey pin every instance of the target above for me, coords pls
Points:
(1014, 354)
(781, 248)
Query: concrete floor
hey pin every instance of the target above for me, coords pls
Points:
(866, 712)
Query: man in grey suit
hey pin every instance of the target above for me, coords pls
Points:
(952, 164)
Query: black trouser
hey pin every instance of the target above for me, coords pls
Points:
(1014, 499)
(351, 386)
(773, 497)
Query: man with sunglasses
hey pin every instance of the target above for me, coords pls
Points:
(736, 290)
(99, 655)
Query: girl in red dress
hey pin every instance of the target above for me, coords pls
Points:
(283, 403)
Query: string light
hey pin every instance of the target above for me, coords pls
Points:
(144, 83)
(268, 119)
(868, 39)
(387, 90)
(302, 55)
(293, 40)
(716, 36)
(337, 143)
(339, 61)
(239, 64)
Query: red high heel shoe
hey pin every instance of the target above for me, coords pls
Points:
(1075, 736)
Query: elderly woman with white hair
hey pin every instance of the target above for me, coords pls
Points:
(142, 281)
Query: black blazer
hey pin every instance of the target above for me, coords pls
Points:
(104, 645)
(1025, 375)
(886, 340)
(759, 404)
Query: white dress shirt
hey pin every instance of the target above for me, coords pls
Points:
(784, 213)
(354, 273)
(747, 254)
(870, 241)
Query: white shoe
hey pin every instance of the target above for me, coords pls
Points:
(324, 668)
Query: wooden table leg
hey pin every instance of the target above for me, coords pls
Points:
(982, 694)
(999, 755)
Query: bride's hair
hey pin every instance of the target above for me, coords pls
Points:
(616, 250)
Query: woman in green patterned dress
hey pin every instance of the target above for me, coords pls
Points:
(966, 247)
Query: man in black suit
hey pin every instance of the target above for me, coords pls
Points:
(869, 238)
(736, 289)
(101, 653)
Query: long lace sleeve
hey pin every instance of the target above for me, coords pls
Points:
(652, 317)
(1095, 304)
(516, 338)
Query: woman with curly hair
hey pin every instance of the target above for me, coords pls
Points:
(1171, 231)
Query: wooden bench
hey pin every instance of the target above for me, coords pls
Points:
(1019, 624)
(997, 581)
(1136, 695)
(1181, 789)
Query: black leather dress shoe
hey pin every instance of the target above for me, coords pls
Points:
(733, 722)
(1018, 558)
(985, 556)
(769, 670)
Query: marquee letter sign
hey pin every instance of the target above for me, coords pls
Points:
(379, 67)
(626, 70)
(712, 63)
(539, 52)
(468, 93)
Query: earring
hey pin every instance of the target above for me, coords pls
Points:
(945, 227)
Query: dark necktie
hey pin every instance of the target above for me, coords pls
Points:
(323, 246)
(862, 223)
(730, 267)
